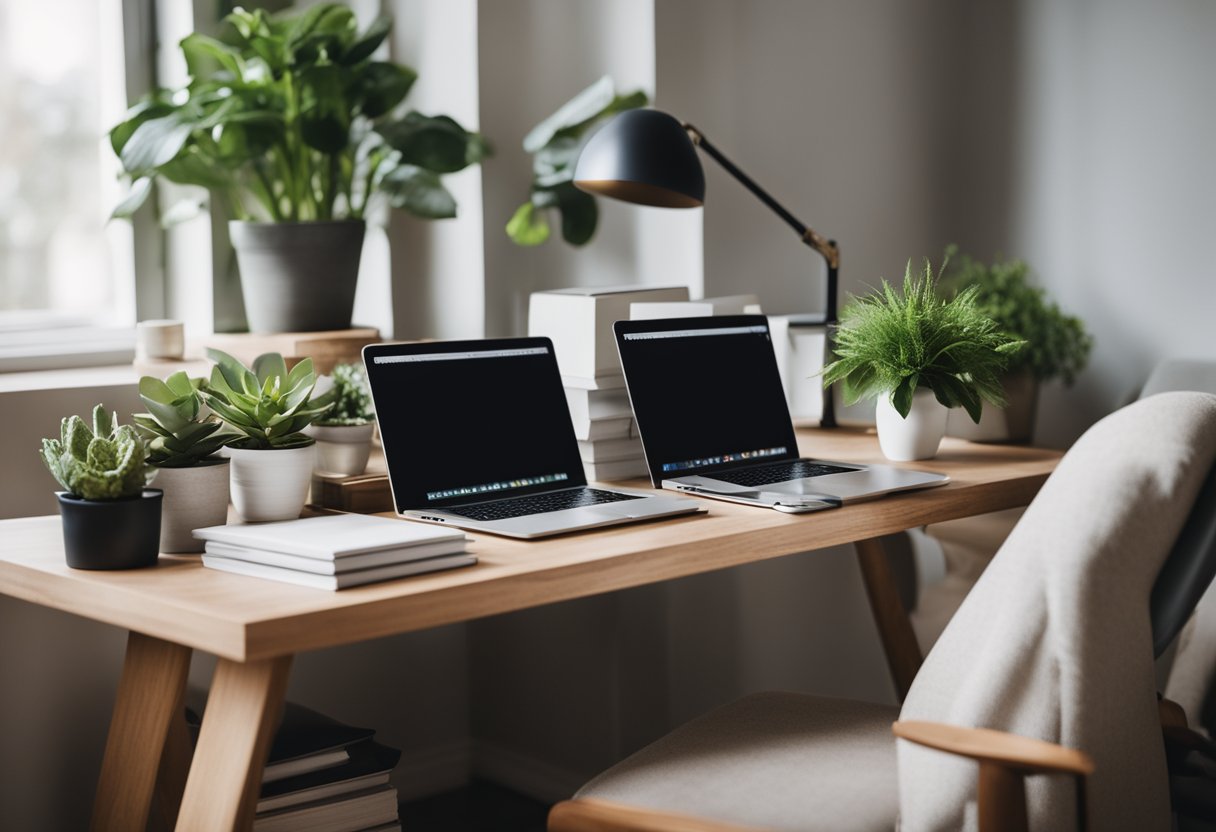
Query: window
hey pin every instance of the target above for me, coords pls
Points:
(62, 86)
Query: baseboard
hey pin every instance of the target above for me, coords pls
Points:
(526, 775)
(429, 771)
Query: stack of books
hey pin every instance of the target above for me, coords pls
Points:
(334, 552)
(579, 322)
(324, 776)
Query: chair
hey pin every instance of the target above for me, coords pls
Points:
(1047, 668)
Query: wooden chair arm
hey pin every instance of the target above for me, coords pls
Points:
(1022, 754)
(587, 815)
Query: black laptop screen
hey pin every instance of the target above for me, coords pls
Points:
(468, 421)
(706, 393)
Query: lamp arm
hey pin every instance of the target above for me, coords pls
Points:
(826, 248)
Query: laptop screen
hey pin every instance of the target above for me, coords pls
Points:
(466, 421)
(706, 393)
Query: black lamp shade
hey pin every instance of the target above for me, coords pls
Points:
(645, 157)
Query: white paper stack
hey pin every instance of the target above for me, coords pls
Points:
(800, 343)
(335, 551)
(726, 305)
(579, 322)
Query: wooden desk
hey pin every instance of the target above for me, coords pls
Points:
(256, 626)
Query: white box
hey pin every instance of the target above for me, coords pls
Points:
(626, 469)
(616, 428)
(610, 450)
(800, 343)
(579, 321)
(728, 305)
(598, 404)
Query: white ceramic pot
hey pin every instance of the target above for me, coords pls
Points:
(195, 498)
(342, 449)
(916, 437)
(270, 485)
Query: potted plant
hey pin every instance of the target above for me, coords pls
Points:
(272, 461)
(111, 519)
(919, 355)
(344, 434)
(291, 123)
(554, 145)
(1057, 345)
(183, 448)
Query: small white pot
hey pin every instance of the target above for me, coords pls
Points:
(916, 437)
(270, 485)
(342, 449)
(195, 498)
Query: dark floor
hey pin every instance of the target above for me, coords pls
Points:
(478, 807)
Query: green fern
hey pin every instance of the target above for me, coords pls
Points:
(894, 343)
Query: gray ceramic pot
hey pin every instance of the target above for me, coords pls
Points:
(298, 276)
(342, 449)
(195, 498)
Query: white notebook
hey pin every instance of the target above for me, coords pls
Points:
(332, 536)
(336, 582)
(337, 566)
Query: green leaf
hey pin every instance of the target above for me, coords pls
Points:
(324, 113)
(554, 163)
(148, 109)
(205, 56)
(527, 226)
(369, 41)
(382, 86)
(154, 143)
(269, 366)
(153, 388)
(418, 191)
(103, 421)
(228, 374)
(901, 396)
(436, 143)
(587, 104)
(135, 198)
(301, 373)
(580, 214)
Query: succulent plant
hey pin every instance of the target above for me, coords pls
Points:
(109, 462)
(176, 436)
(269, 405)
(352, 400)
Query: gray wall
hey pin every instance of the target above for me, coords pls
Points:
(1074, 135)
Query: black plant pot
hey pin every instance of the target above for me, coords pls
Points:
(111, 534)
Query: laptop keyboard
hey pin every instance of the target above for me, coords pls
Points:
(778, 472)
(539, 503)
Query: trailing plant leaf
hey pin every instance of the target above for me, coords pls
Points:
(555, 144)
(1057, 345)
(108, 462)
(280, 118)
(894, 343)
(268, 405)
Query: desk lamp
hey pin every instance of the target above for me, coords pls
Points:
(646, 157)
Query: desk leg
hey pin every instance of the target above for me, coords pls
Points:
(149, 698)
(226, 775)
(894, 626)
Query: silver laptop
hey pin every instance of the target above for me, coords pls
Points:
(712, 413)
(477, 434)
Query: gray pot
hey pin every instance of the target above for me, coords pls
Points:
(195, 498)
(1012, 423)
(298, 276)
(342, 449)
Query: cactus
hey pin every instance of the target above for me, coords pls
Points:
(176, 436)
(352, 400)
(267, 404)
(109, 462)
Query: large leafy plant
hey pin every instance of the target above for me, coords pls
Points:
(288, 118)
(894, 343)
(108, 462)
(554, 145)
(176, 435)
(268, 404)
(1057, 345)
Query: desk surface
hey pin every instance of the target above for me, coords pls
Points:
(247, 618)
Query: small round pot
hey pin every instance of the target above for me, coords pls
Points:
(342, 450)
(111, 534)
(298, 276)
(916, 437)
(270, 485)
(195, 498)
